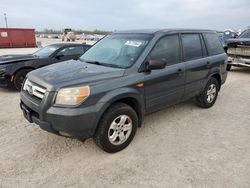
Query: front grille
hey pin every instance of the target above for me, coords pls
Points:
(34, 89)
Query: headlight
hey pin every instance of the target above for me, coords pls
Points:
(72, 96)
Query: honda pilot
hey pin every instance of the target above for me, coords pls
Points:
(106, 93)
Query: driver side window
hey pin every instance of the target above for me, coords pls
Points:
(78, 50)
(167, 49)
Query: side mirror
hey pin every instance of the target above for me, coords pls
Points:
(155, 64)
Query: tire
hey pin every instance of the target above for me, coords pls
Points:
(112, 127)
(206, 100)
(229, 67)
(19, 78)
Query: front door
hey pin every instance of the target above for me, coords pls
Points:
(165, 87)
(70, 53)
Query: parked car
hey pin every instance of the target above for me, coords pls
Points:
(239, 51)
(53, 36)
(106, 93)
(227, 34)
(13, 68)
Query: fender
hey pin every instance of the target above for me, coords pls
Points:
(213, 71)
(121, 93)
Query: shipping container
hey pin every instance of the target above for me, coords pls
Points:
(17, 38)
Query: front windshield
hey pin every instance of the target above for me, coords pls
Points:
(46, 51)
(117, 50)
(245, 34)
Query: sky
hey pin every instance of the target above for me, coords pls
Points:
(113, 15)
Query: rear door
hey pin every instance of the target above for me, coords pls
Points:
(165, 87)
(196, 61)
(217, 56)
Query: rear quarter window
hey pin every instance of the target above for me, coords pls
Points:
(213, 43)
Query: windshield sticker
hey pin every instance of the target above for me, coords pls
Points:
(133, 43)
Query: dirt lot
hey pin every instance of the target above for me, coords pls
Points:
(182, 146)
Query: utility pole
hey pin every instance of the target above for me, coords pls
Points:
(6, 21)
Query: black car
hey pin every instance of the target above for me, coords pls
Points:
(13, 68)
(106, 93)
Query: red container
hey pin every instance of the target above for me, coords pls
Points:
(17, 38)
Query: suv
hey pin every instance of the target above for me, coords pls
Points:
(106, 92)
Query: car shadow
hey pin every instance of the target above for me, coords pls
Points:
(6, 89)
(240, 70)
(51, 142)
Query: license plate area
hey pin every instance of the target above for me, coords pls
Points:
(26, 113)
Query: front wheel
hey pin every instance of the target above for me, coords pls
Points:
(209, 95)
(19, 78)
(117, 128)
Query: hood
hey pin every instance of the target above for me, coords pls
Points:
(238, 41)
(72, 72)
(16, 58)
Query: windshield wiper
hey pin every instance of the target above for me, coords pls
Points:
(102, 64)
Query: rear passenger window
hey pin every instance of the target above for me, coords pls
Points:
(192, 48)
(214, 45)
(167, 49)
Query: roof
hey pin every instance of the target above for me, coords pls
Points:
(67, 44)
(154, 31)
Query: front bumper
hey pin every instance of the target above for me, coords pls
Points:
(78, 122)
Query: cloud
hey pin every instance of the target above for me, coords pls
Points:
(126, 14)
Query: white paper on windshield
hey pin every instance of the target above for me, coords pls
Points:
(133, 43)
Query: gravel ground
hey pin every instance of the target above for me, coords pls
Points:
(181, 146)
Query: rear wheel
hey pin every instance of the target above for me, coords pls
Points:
(19, 78)
(117, 128)
(209, 95)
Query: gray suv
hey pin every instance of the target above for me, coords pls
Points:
(106, 93)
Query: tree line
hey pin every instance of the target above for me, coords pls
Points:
(76, 31)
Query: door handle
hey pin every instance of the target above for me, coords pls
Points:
(208, 64)
(180, 70)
